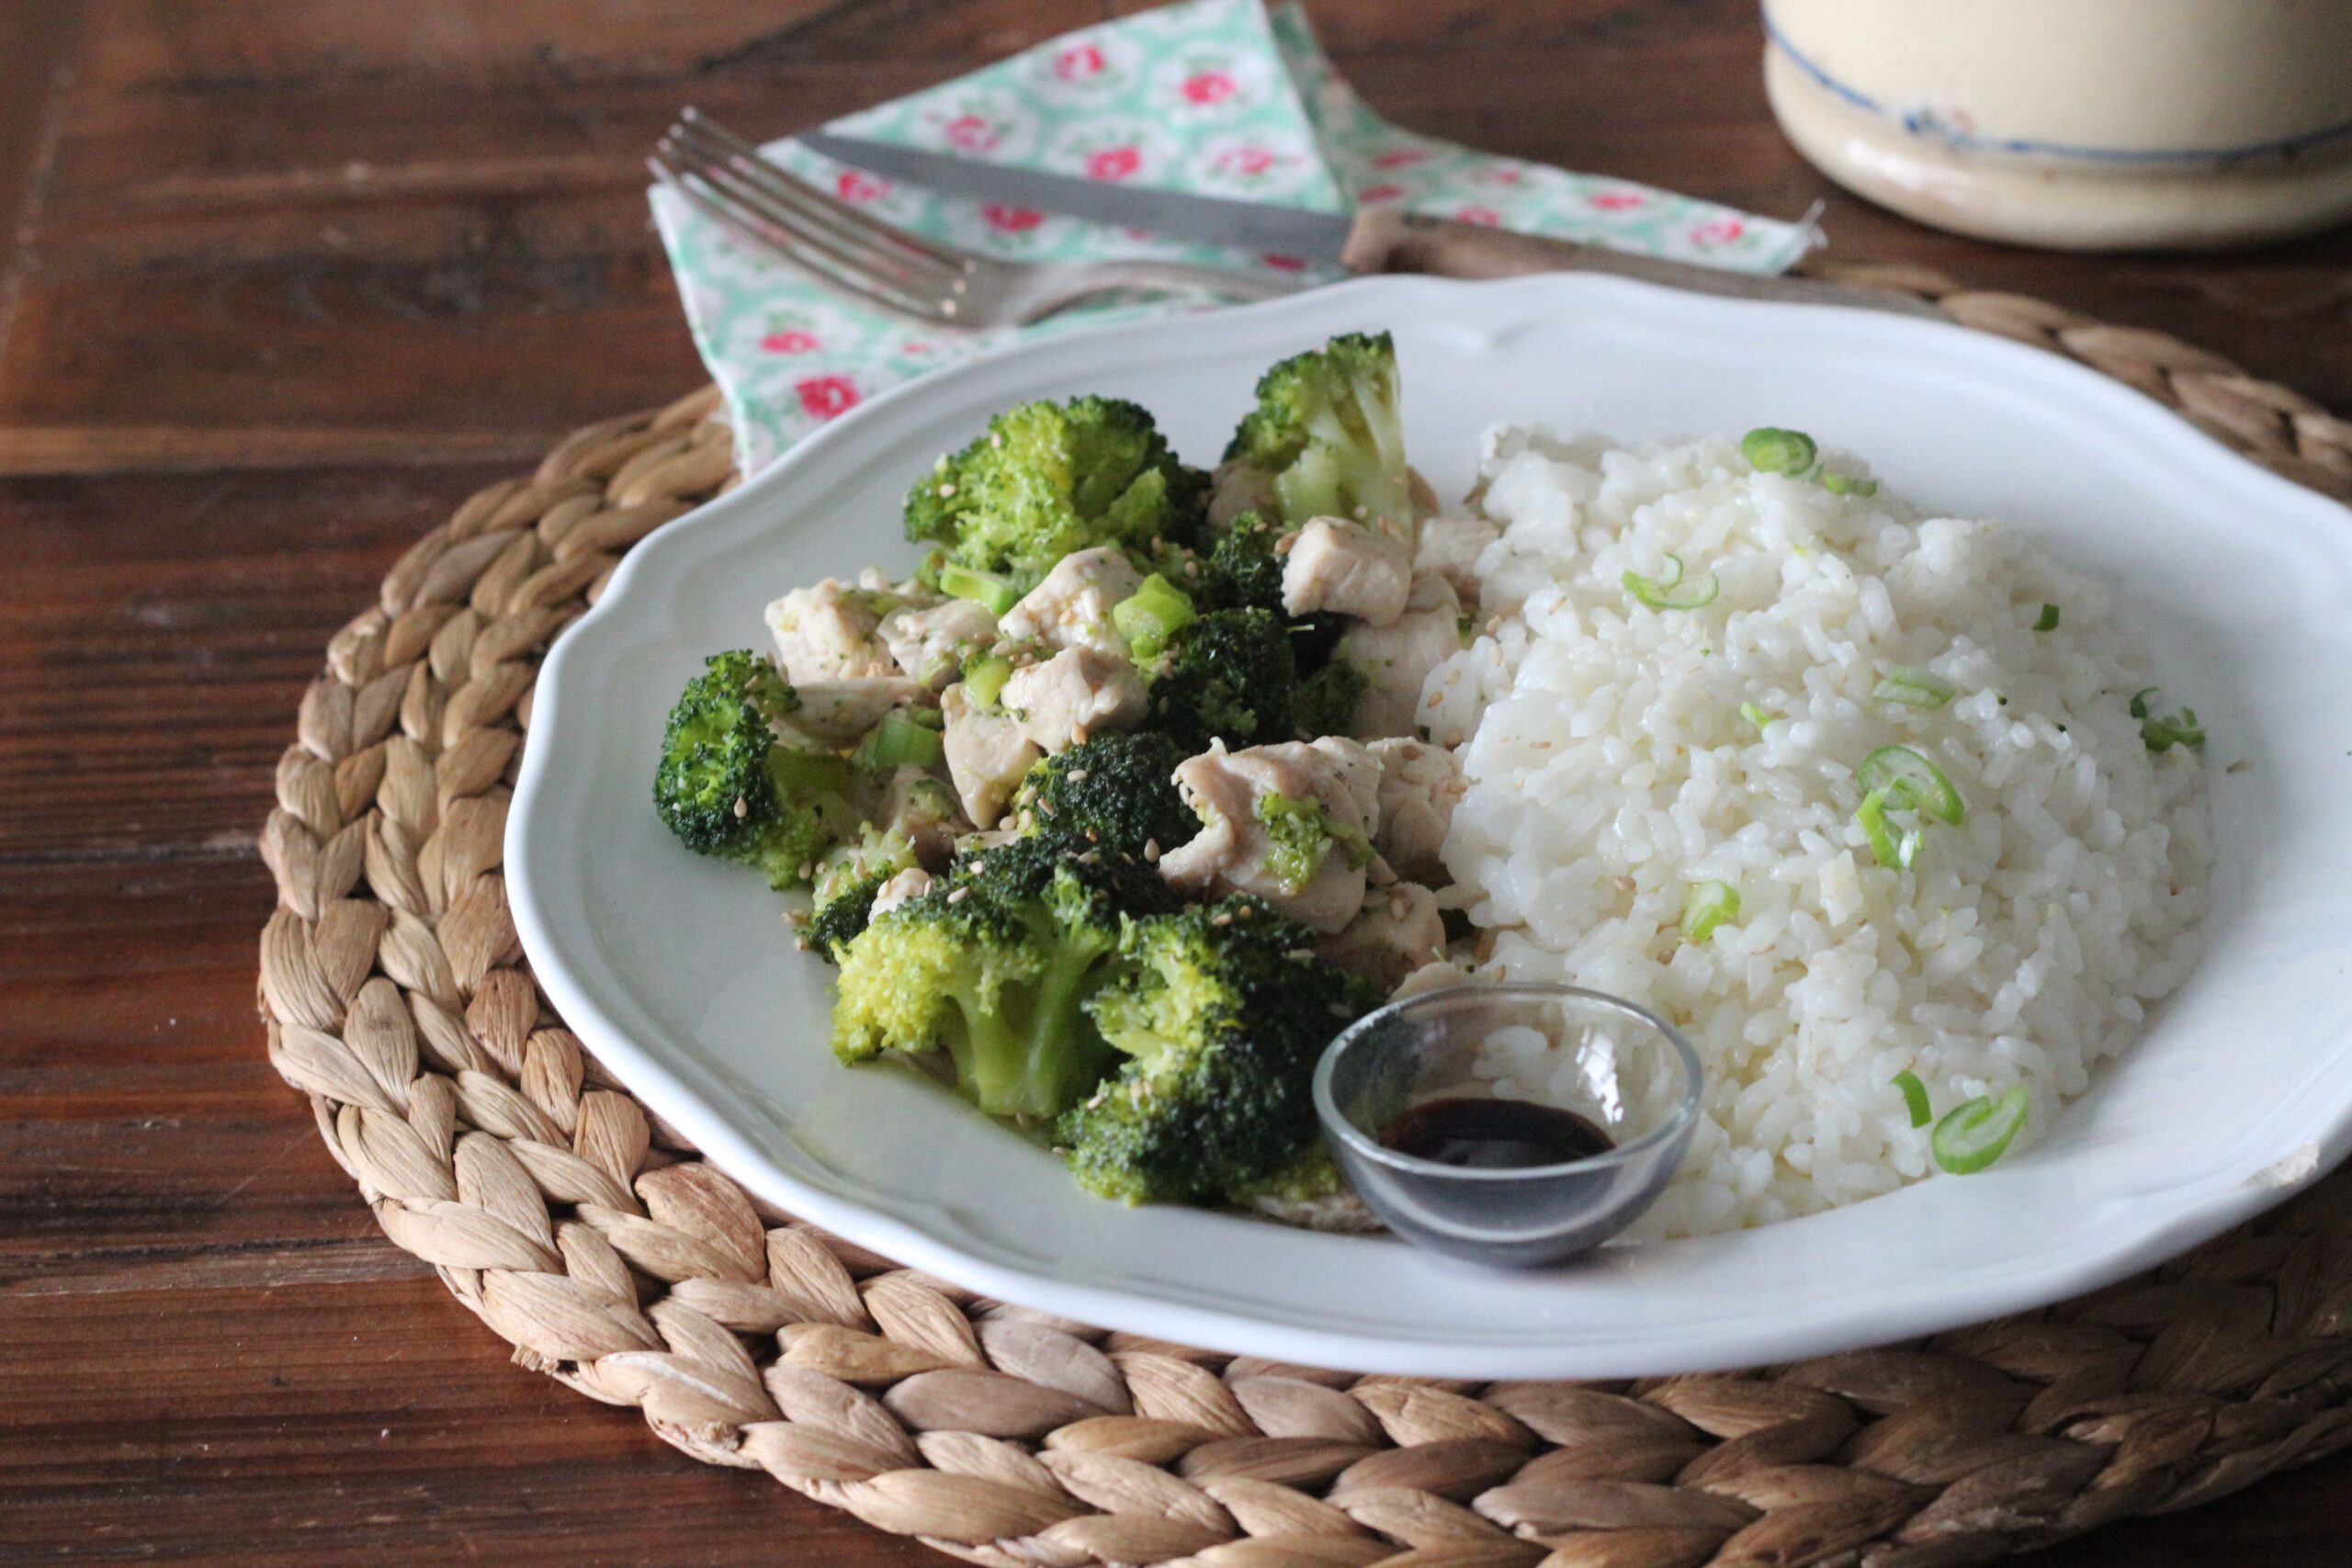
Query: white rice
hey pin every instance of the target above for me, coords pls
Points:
(1610, 768)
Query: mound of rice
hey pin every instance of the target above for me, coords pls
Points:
(1610, 767)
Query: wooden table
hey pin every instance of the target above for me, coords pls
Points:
(290, 279)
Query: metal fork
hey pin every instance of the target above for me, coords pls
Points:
(725, 176)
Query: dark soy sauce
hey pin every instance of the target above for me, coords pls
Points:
(1494, 1134)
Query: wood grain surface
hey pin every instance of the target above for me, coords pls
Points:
(280, 282)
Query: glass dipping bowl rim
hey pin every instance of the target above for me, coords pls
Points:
(1671, 1126)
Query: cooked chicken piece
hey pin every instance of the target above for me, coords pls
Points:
(986, 754)
(1437, 976)
(1359, 774)
(1396, 933)
(1337, 565)
(931, 644)
(1073, 695)
(1236, 488)
(842, 711)
(826, 633)
(911, 883)
(1342, 1212)
(1396, 658)
(1230, 853)
(1419, 785)
(1071, 608)
(915, 804)
(1450, 547)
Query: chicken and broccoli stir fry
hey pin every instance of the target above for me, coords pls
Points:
(1115, 809)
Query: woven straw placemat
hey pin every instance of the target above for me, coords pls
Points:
(614, 1260)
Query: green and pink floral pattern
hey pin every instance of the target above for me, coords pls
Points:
(1222, 98)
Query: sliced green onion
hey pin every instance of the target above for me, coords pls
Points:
(901, 742)
(2181, 729)
(1771, 451)
(2047, 620)
(986, 588)
(1847, 484)
(1152, 615)
(1973, 1135)
(1657, 593)
(1895, 853)
(1915, 1097)
(1708, 904)
(1755, 715)
(1914, 688)
(1908, 781)
(985, 677)
(2158, 732)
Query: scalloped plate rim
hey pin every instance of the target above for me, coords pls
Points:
(2135, 1229)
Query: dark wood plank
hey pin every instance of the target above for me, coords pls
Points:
(301, 275)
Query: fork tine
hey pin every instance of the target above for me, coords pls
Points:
(846, 245)
(788, 187)
(852, 258)
(709, 199)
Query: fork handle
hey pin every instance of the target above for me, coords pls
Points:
(1385, 240)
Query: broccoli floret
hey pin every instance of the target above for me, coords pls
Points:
(1300, 833)
(1221, 1010)
(839, 919)
(1312, 1177)
(993, 966)
(847, 880)
(1327, 700)
(738, 782)
(1244, 571)
(1329, 432)
(1116, 792)
(1228, 676)
(1046, 478)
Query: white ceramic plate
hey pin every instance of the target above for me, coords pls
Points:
(679, 976)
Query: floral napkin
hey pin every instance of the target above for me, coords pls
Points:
(1220, 97)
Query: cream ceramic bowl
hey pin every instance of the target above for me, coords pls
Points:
(2077, 124)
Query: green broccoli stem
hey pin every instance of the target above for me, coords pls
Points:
(1036, 1052)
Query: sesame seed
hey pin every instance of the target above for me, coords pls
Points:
(742, 808)
(946, 490)
(954, 896)
(1342, 1011)
(1221, 920)
(1078, 775)
(1624, 884)
(1151, 851)
(1092, 837)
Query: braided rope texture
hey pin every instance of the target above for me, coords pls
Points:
(585, 1233)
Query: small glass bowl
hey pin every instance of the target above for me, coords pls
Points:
(1632, 1077)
